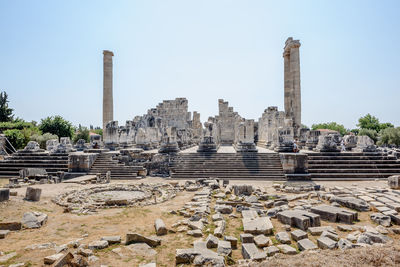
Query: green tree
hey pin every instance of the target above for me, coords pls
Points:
(57, 125)
(372, 123)
(82, 133)
(331, 126)
(16, 138)
(6, 113)
(389, 136)
(370, 133)
(98, 131)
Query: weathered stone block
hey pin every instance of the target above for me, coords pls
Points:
(81, 162)
(298, 235)
(250, 251)
(294, 163)
(160, 227)
(152, 241)
(394, 181)
(271, 251)
(319, 230)
(33, 219)
(211, 241)
(4, 194)
(335, 214)
(224, 248)
(299, 218)
(112, 239)
(283, 237)
(246, 238)
(33, 194)
(306, 244)
(100, 244)
(261, 225)
(232, 240)
(286, 249)
(262, 241)
(4, 233)
(12, 226)
(326, 243)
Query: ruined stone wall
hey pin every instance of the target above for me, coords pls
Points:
(268, 127)
(147, 131)
(227, 122)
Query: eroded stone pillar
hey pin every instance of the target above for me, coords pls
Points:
(292, 87)
(108, 108)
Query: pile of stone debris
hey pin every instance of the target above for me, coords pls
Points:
(214, 206)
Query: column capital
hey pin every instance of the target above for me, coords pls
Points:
(289, 44)
(108, 53)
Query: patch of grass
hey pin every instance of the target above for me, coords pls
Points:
(60, 229)
(128, 259)
(11, 260)
(229, 260)
(109, 248)
(295, 247)
(274, 241)
(140, 258)
(42, 210)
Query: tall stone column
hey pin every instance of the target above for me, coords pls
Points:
(108, 108)
(292, 89)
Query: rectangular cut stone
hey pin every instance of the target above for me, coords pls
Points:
(4, 194)
(260, 225)
(224, 248)
(351, 203)
(299, 218)
(4, 233)
(250, 251)
(326, 243)
(249, 214)
(335, 214)
(298, 235)
(12, 226)
(319, 230)
(306, 244)
(232, 240)
(286, 249)
(366, 198)
(246, 238)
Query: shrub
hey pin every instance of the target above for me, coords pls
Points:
(16, 138)
(42, 139)
(83, 133)
(331, 126)
(18, 125)
(389, 136)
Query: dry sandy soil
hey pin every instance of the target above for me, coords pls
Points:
(62, 228)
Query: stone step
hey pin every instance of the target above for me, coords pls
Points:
(395, 171)
(349, 161)
(359, 176)
(353, 166)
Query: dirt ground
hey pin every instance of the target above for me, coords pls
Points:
(62, 228)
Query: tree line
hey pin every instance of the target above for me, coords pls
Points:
(19, 132)
(384, 134)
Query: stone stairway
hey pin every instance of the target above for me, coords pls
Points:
(104, 162)
(352, 166)
(263, 166)
(11, 166)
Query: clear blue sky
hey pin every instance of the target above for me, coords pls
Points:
(51, 62)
